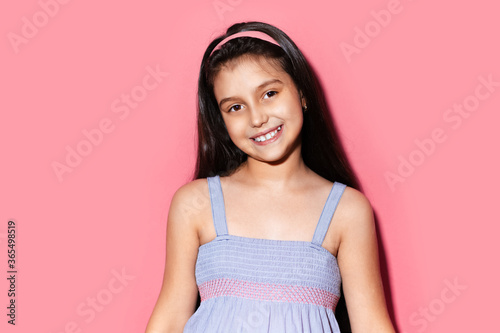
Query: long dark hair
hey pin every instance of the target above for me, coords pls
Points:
(321, 151)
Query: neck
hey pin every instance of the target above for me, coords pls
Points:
(276, 175)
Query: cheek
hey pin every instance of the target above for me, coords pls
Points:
(291, 112)
(235, 127)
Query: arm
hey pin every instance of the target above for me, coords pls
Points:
(178, 295)
(359, 267)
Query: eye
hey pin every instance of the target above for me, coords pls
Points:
(237, 107)
(270, 93)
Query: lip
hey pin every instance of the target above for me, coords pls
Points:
(265, 132)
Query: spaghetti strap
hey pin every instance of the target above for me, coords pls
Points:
(217, 203)
(327, 213)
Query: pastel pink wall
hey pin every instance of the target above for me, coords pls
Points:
(91, 236)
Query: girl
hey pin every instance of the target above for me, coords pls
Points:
(273, 226)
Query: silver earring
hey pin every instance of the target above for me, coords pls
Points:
(304, 108)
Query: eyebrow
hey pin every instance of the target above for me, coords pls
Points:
(264, 84)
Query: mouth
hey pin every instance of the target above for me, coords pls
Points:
(268, 137)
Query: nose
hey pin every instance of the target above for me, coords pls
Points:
(258, 116)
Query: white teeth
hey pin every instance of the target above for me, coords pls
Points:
(268, 135)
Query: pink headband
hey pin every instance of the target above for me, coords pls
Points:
(252, 33)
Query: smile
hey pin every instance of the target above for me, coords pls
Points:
(269, 137)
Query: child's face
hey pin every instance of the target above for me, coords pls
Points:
(255, 97)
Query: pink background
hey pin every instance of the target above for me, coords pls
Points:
(107, 217)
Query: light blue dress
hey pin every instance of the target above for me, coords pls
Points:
(262, 285)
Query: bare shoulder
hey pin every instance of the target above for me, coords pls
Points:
(191, 189)
(354, 212)
(189, 203)
(354, 201)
